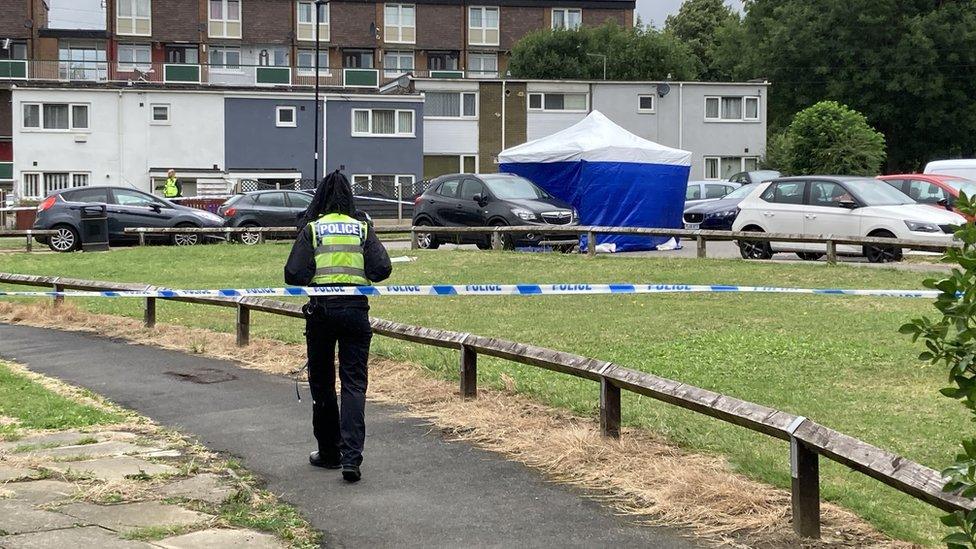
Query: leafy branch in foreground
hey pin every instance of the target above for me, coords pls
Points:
(951, 341)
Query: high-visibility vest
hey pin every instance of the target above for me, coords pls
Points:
(338, 242)
(170, 190)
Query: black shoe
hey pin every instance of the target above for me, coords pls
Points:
(315, 459)
(351, 473)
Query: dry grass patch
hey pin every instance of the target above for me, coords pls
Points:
(641, 476)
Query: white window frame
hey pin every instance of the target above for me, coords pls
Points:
(461, 115)
(653, 108)
(400, 54)
(41, 188)
(565, 12)
(543, 108)
(721, 118)
(397, 131)
(38, 184)
(394, 34)
(310, 71)
(484, 28)
(132, 67)
(294, 116)
(152, 114)
(305, 31)
(461, 157)
(223, 68)
(717, 158)
(134, 18)
(482, 73)
(40, 118)
(225, 22)
(396, 178)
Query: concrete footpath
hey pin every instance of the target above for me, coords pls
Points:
(417, 489)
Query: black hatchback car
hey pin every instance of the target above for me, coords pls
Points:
(273, 208)
(483, 200)
(125, 207)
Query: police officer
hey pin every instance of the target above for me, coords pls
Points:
(171, 188)
(337, 247)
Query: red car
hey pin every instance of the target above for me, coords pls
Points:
(935, 189)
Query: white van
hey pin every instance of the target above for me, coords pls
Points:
(961, 167)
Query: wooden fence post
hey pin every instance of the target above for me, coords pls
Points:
(805, 473)
(591, 243)
(243, 325)
(831, 252)
(701, 246)
(227, 234)
(30, 242)
(414, 242)
(609, 409)
(59, 299)
(149, 313)
(496, 240)
(469, 373)
(142, 238)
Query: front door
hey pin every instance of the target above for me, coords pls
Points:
(826, 215)
(131, 208)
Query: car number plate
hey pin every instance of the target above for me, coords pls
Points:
(692, 226)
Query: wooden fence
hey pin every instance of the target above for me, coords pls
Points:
(29, 235)
(808, 440)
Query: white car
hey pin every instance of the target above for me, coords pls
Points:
(705, 191)
(842, 206)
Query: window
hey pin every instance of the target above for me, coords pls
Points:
(271, 200)
(79, 180)
(299, 200)
(159, 114)
(16, 50)
(382, 122)
(734, 109)
(357, 59)
(31, 185)
(133, 18)
(38, 185)
(483, 26)
(399, 23)
(575, 102)
(96, 195)
(182, 55)
(483, 65)
(750, 163)
(132, 57)
(565, 18)
(306, 62)
(828, 194)
(451, 104)
(55, 116)
(56, 182)
(273, 57)
(129, 197)
(711, 167)
(471, 188)
(82, 61)
(306, 22)
(785, 192)
(225, 59)
(385, 185)
(449, 188)
(725, 167)
(442, 60)
(645, 103)
(286, 117)
(396, 63)
(225, 19)
(693, 192)
(925, 192)
(716, 191)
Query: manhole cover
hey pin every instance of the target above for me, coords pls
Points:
(203, 376)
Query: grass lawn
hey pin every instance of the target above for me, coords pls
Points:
(16, 243)
(836, 360)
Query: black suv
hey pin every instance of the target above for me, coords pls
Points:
(125, 207)
(469, 200)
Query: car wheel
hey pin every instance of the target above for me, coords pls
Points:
(249, 239)
(186, 239)
(809, 256)
(508, 239)
(882, 254)
(426, 241)
(755, 249)
(65, 240)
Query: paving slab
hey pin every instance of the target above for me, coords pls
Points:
(215, 538)
(39, 492)
(111, 468)
(128, 516)
(88, 536)
(18, 517)
(206, 487)
(98, 449)
(11, 472)
(48, 439)
(418, 489)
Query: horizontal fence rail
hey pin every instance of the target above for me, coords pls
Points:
(808, 440)
(28, 234)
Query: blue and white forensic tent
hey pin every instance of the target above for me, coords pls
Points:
(611, 176)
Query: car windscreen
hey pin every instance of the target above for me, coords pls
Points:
(509, 187)
(872, 192)
(741, 192)
(962, 185)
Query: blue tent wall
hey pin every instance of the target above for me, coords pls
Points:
(620, 194)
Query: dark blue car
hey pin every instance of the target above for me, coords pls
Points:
(716, 215)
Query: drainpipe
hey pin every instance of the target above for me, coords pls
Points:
(681, 110)
(504, 113)
(121, 148)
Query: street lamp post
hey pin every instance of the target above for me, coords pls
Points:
(318, 10)
(604, 57)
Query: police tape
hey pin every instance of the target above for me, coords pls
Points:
(443, 290)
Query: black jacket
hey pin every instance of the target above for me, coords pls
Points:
(300, 268)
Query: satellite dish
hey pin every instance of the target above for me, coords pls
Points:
(663, 89)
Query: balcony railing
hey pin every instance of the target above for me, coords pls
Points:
(214, 74)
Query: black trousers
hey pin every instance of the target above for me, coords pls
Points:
(340, 432)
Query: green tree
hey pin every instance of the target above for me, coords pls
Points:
(696, 24)
(631, 54)
(830, 138)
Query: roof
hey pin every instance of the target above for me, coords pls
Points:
(162, 87)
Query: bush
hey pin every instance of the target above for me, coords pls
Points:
(830, 138)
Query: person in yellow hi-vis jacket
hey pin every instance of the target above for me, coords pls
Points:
(336, 246)
(171, 187)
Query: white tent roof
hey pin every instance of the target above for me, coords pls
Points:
(594, 139)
